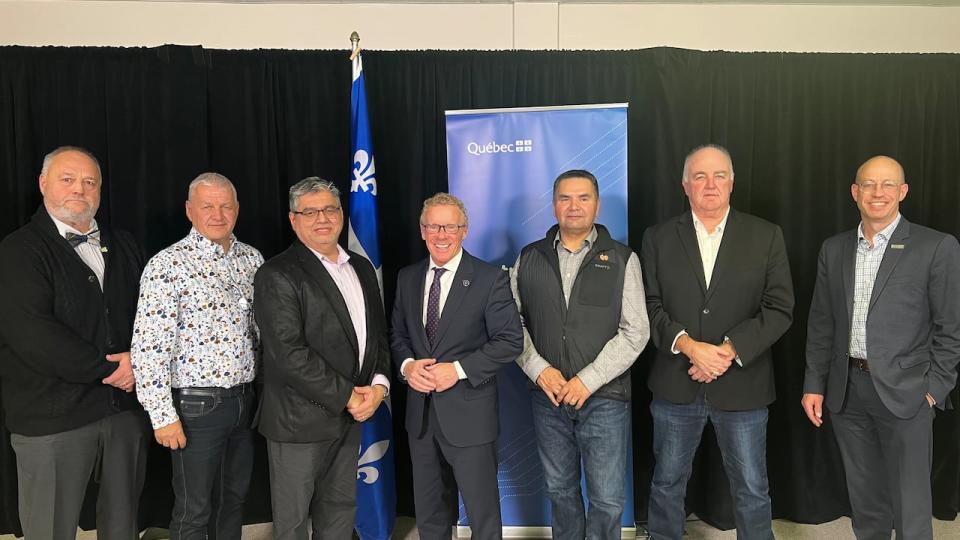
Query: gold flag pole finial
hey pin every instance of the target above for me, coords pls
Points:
(354, 44)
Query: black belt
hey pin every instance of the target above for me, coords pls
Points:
(860, 363)
(214, 391)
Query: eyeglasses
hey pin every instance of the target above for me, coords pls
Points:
(311, 213)
(433, 228)
(887, 186)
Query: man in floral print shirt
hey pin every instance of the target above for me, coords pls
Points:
(194, 357)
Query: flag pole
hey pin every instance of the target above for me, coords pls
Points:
(354, 44)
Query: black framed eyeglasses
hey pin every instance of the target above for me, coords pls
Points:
(449, 228)
(312, 213)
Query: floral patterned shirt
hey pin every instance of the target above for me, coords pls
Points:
(194, 325)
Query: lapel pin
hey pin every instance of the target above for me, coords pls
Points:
(604, 257)
(103, 249)
(466, 283)
(896, 246)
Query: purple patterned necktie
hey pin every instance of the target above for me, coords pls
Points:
(433, 306)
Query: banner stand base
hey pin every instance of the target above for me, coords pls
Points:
(535, 532)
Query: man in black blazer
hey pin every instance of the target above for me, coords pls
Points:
(70, 296)
(883, 341)
(719, 295)
(454, 325)
(325, 360)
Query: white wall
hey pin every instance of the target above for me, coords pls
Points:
(521, 25)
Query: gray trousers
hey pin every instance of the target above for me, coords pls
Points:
(314, 482)
(53, 472)
(887, 463)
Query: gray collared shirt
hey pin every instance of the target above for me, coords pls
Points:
(868, 263)
(623, 349)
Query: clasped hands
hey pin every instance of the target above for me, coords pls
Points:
(427, 375)
(559, 390)
(122, 377)
(364, 401)
(708, 362)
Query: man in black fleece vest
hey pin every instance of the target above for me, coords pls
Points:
(581, 298)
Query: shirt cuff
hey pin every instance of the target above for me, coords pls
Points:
(163, 415)
(726, 339)
(383, 381)
(590, 378)
(461, 374)
(402, 366)
(534, 366)
(673, 346)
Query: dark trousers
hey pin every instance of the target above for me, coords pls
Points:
(314, 482)
(439, 469)
(53, 472)
(211, 474)
(887, 464)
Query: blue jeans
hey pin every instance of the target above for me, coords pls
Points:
(211, 475)
(598, 434)
(742, 437)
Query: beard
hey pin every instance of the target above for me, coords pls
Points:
(71, 216)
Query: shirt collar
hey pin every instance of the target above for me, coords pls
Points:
(342, 256)
(886, 233)
(209, 247)
(63, 228)
(451, 265)
(589, 241)
(698, 225)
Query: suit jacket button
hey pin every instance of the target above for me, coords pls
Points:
(706, 311)
(91, 279)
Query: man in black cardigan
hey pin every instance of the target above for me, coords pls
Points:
(65, 327)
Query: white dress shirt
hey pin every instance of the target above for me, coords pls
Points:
(88, 251)
(446, 282)
(709, 245)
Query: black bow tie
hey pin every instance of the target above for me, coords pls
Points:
(76, 239)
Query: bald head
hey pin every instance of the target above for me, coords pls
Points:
(881, 166)
(878, 191)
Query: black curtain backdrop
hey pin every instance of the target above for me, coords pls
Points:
(797, 126)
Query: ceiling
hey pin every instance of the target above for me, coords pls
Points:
(934, 3)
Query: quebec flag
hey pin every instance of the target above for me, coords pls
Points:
(376, 480)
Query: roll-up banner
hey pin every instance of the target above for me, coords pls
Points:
(502, 164)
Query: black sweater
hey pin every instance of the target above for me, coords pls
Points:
(57, 326)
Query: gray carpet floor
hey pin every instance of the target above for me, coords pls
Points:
(696, 530)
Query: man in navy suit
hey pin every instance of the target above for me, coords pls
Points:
(455, 324)
(883, 339)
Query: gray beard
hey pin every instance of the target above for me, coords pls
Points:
(66, 215)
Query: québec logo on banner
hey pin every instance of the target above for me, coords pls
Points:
(493, 147)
